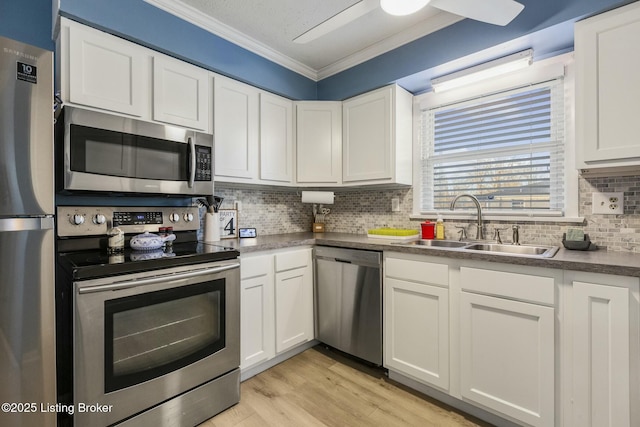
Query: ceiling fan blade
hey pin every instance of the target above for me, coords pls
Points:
(338, 20)
(497, 12)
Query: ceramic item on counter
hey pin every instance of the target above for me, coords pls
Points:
(149, 241)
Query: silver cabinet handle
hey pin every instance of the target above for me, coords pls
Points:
(126, 284)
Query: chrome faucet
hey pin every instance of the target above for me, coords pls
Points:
(479, 232)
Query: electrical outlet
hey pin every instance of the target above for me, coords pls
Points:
(395, 205)
(608, 203)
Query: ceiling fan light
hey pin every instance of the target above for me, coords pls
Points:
(402, 7)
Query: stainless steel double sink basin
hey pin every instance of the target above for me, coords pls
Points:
(533, 251)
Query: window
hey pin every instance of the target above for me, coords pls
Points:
(506, 148)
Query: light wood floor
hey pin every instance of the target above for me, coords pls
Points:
(322, 388)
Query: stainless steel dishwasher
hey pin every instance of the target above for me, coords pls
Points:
(349, 301)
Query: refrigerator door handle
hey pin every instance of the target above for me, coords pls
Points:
(24, 224)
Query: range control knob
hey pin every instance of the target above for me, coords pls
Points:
(188, 217)
(76, 219)
(99, 219)
(174, 217)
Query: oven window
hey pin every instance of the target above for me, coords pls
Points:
(105, 152)
(152, 334)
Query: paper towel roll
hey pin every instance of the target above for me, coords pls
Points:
(322, 197)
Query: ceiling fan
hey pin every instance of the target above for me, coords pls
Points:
(497, 12)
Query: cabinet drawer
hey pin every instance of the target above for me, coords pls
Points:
(536, 289)
(295, 259)
(418, 271)
(255, 266)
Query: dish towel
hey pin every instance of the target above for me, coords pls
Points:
(575, 235)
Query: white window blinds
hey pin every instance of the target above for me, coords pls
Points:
(507, 149)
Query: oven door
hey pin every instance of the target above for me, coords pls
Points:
(144, 338)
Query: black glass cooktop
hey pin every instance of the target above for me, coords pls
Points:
(89, 264)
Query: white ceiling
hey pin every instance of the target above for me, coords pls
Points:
(268, 28)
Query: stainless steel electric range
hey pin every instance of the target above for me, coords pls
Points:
(145, 338)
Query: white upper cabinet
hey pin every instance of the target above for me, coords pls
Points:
(377, 137)
(180, 93)
(235, 123)
(276, 139)
(607, 90)
(319, 143)
(103, 71)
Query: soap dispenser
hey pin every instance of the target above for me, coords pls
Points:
(439, 228)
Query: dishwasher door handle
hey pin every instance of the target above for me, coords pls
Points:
(346, 261)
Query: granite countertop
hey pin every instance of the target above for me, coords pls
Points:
(620, 263)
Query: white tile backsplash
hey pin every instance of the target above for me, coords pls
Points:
(355, 211)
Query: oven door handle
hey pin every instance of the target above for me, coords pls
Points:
(127, 284)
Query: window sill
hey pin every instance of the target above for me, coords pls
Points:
(489, 217)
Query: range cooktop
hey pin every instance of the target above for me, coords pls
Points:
(89, 264)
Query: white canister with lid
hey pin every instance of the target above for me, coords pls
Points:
(115, 240)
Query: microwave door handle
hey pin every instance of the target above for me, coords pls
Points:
(192, 161)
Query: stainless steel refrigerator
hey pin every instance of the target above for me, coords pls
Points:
(27, 323)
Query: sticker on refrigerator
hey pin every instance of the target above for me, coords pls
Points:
(27, 72)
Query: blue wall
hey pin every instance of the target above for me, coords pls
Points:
(543, 22)
(28, 21)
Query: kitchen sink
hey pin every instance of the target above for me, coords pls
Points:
(437, 243)
(526, 250)
(533, 251)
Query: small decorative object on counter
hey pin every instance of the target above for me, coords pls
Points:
(169, 242)
(115, 240)
(149, 241)
(439, 228)
(428, 230)
(577, 240)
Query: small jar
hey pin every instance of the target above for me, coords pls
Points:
(115, 240)
(169, 231)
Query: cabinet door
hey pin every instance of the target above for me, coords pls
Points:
(180, 93)
(319, 142)
(107, 72)
(601, 363)
(257, 322)
(235, 121)
(276, 139)
(417, 331)
(507, 357)
(294, 308)
(367, 137)
(608, 86)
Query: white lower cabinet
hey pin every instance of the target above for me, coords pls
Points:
(276, 304)
(416, 313)
(294, 299)
(605, 330)
(257, 315)
(507, 347)
(507, 357)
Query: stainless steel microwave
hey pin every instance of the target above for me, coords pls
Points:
(108, 153)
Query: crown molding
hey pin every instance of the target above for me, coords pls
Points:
(437, 22)
(196, 17)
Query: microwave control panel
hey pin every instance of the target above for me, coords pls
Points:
(203, 163)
